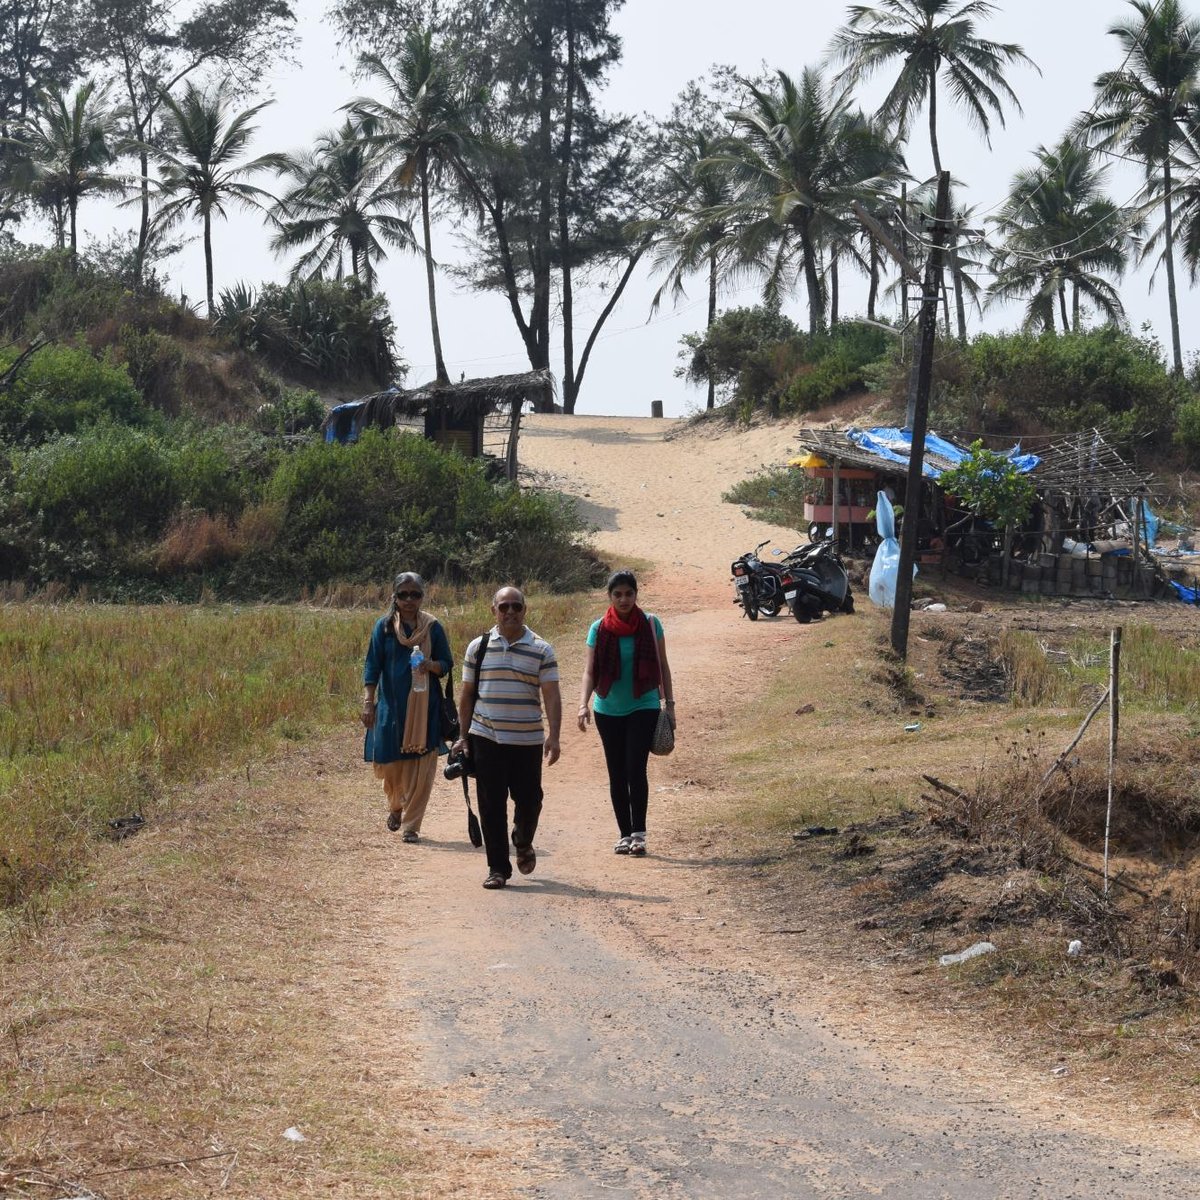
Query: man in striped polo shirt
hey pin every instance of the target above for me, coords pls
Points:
(501, 711)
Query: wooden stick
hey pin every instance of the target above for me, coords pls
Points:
(170, 1162)
(1114, 717)
(944, 787)
(1062, 758)
(1118, 880)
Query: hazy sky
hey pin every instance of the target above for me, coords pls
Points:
(666, 43)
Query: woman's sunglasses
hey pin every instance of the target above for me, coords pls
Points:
(409, 595)
(515, 606)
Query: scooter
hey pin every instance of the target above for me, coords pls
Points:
(815, 581)
(758, 586)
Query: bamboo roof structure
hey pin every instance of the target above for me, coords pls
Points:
(1084, 462)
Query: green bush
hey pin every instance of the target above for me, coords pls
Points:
(296, 410)
(357, 512)
(761, 359)
(332, 329)
(778, 495)
(155, 364)
(105, 487)
(61, 389)
(1187, 431)
(1046, 383)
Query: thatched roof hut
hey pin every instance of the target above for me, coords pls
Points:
(452, 414)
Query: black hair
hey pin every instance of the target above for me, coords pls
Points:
(411, 578)
(623, 576)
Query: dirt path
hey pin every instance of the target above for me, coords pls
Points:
(611, 1025)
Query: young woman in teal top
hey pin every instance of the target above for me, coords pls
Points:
(628, 671)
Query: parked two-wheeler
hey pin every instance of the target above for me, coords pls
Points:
(758, 586)
(815, 581)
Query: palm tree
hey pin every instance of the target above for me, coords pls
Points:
(201, 174)
(66, 148)
(930, 38)
(341, 205)
(1143, 109)
(1061, 234)
(693, 235)
(422, 127)
(1187, 198)
(799, 157)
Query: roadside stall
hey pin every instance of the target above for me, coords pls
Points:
(1090, 531)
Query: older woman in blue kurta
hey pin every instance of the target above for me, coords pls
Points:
(404, 735)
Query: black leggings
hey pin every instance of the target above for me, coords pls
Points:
(626, 743)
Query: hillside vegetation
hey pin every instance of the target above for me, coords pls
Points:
(146, 453)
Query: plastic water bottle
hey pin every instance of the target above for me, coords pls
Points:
(420, 682)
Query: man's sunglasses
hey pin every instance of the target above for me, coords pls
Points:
(515, 606)
(409, 595)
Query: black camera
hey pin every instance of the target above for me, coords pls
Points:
(457, 765)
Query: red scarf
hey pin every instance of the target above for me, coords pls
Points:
(646, 674)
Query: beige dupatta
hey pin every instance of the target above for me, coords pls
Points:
(416, 718)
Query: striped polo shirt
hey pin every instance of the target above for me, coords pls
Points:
(508, 705)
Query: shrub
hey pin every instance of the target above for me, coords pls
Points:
(332, 329)
(1187, 431)
(195, 541)
(1028, 383)
(106, 486)
(61, 389)
(779, 495)
(358, 512)
(155, 364)
(296, 411)
(760, 357)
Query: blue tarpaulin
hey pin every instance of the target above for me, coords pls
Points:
(1189, 595)
(895, 445)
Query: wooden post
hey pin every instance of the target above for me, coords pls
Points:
(1114, 720)
(836, 502)
(922, 382)
(514, 429)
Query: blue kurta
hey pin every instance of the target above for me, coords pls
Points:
(387, 668)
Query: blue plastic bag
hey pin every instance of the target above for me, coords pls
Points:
(885, 570)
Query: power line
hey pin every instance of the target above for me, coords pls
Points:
(1091, 111)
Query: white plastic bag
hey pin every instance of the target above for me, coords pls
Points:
(886, 568)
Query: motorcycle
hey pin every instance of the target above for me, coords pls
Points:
(815, 581)
(758, 586)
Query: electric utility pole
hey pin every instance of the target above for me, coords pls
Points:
(918, 417)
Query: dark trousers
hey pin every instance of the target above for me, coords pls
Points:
(626, 742)
(501, 771)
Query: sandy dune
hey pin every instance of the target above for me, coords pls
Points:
(652, 488)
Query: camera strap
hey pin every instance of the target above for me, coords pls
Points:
(484, 642)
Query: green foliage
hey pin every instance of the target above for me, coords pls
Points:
(155, 364)
(103, 488)
(355, 512)
(778, 495)
(734, 341)
(1026, 383)
(989, 485)
(296, 410)
(759, 358)
(61, 389)
(833, 364)
(1187, 431)
(136, 514)
(332, 329)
